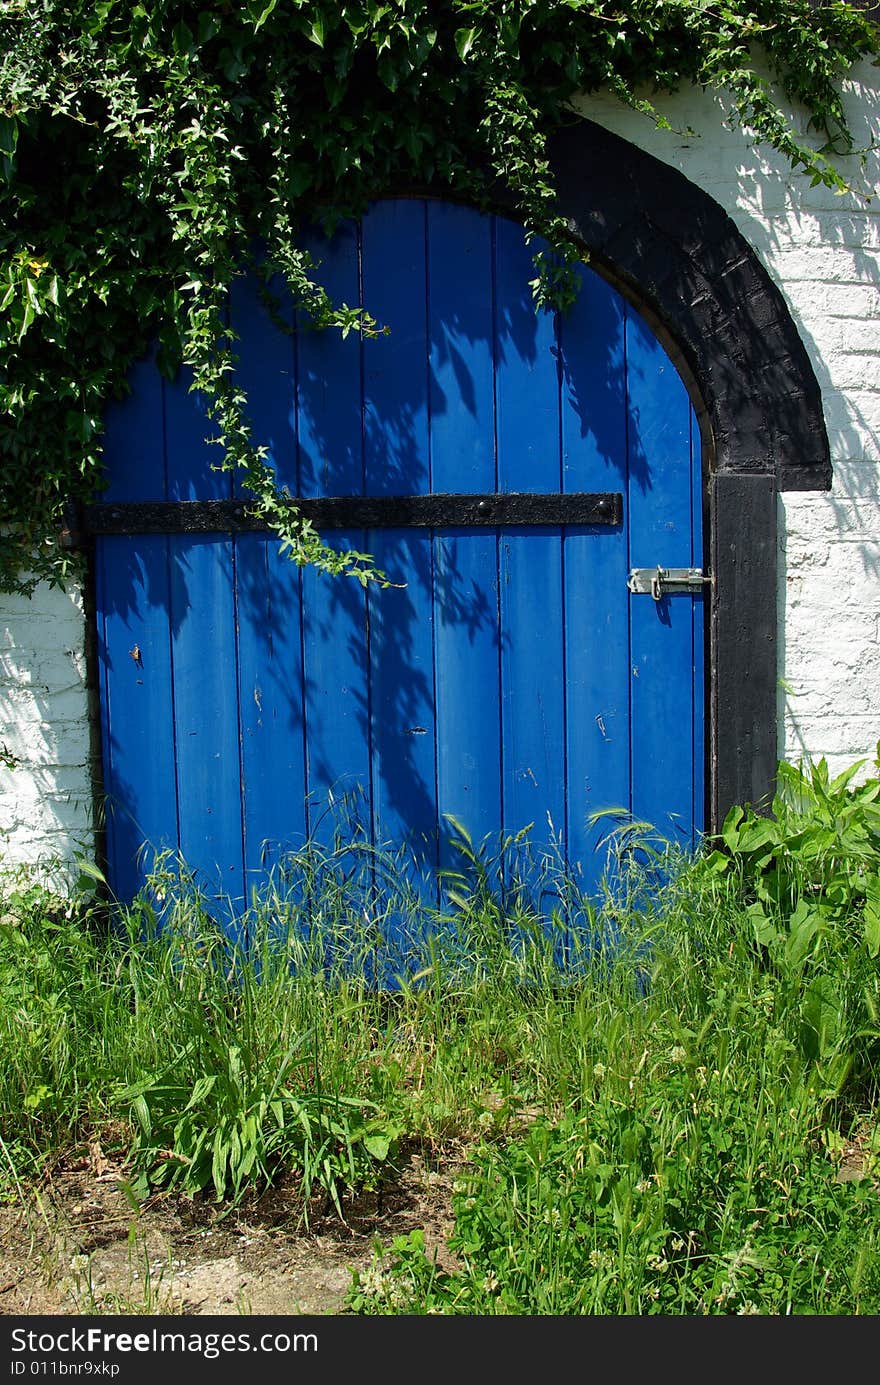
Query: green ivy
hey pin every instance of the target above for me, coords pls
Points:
(146, 148)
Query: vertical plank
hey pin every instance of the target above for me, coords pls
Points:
(462, 442)
(137, 713)
(203, 653)
(206, 715)
(134, 438)
(266, 370)
(269, 621)
(336, 696)
(745, 673)
(661, 631)
(699, 637)
(396, 461)
(329, 404)
(134, 651)
(268, 602)
(530, 567)
(592, 350)
(190, 459)
(330, 462)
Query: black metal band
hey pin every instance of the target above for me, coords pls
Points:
(359, 512)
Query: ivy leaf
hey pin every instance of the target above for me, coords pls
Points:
(260, 12)
(27, 318)
(182, 39)
(8, 144)
(464, 42)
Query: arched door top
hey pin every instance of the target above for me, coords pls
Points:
(678, 253)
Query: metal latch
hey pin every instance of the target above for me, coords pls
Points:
(659, 581)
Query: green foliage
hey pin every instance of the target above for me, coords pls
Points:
(808, 875)
(609, 1211)
(146, 150)
(241, 1095)
(683, 1122)
(50, 961)
(233, 1128)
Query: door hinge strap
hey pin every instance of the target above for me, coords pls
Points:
(360, 512)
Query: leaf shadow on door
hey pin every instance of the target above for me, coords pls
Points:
(342, 693)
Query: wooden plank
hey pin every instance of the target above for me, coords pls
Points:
(532, 688)
(402, 699)
(134, 649)
(267, 372)
(661, 632)
(594, 432)
(397, 461)
(330, 461)
(531, 565)
(137, 716)
(269, 620)
(481, 510)
(206, 716)
(698, 559)
(461, 358)
(134, 438)
(329, 404)
(190, 459)
(337, 707)
(745, 673)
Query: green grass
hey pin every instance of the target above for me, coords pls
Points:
(656, 1127)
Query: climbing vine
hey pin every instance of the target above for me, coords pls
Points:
(146, 149)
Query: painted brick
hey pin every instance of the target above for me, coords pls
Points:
(846, 300)
(45, 799)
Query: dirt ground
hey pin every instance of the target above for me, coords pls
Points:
(78, 1245)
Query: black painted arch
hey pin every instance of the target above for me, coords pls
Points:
(690, 270)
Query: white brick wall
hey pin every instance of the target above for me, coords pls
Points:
(45, 795)
(822, 251)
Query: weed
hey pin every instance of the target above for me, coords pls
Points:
(668, 1090)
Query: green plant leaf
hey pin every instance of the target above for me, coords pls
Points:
(464, 41)
(872, 915)
(378, 1145)
(802, 929)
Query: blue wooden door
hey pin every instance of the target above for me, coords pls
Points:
(511, 678)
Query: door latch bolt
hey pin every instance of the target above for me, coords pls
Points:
(662, 581)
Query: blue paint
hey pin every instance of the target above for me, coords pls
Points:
(465, 564)
(137, 710)
(397, 460)
(508, 679)
(268, 606)
(594, 447)
(206, 729)
(330, 461)
(661, 632)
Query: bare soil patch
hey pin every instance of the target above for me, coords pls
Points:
(79, 1244)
